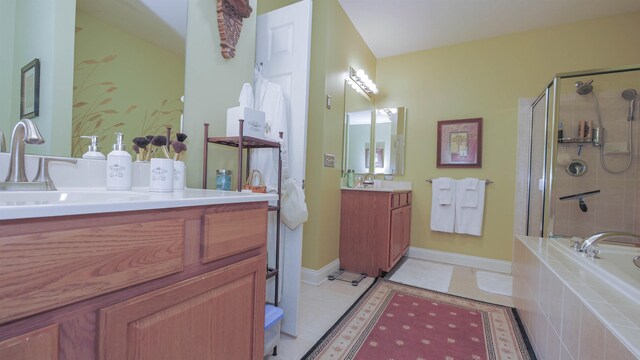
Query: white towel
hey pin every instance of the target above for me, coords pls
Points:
(445, 195)
(443, 205)
(470, 183)
(469, 219)
(470, 194)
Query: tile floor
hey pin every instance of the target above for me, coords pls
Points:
(321, 306)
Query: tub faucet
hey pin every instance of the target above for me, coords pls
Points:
(586, 245)
(27, 132)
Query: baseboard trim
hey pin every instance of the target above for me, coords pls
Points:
(476, 262)
(317, 277)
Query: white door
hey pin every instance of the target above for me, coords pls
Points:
(283, 46)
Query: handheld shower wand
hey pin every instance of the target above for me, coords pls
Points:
(631, 95)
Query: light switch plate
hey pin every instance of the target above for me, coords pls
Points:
(329, 160)
(329, 102)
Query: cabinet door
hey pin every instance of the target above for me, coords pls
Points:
(40, 344)
(396, 241)
(218, 315)
(406, 233)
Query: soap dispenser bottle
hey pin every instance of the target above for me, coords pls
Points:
(94, 150)
(119, 166)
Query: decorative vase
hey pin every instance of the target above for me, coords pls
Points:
(161, 175)
(179, 175)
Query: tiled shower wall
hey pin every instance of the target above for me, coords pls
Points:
(617, 206)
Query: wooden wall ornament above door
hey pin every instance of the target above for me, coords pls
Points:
(230, 15)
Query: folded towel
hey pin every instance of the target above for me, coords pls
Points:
(445, 194)
(443, 206)
(470, 183)
(443, 183)
(469, 219)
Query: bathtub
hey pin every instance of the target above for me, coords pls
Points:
(573, 304)
(615, 265)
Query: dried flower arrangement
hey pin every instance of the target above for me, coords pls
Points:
(146, 147)
(179, 147)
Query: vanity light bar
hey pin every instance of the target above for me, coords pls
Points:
(360, 77)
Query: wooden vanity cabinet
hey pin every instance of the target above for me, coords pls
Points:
(39, 344)
(183, 283)
(211, 316)
(375, 229)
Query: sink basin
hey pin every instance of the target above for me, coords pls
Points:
(22, 198)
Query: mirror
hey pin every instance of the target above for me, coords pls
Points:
(128, 67)
(358, 120)
(390, 138)
(374, 142)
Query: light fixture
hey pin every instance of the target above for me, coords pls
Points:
(361, 79)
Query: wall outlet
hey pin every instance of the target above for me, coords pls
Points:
(329, 160)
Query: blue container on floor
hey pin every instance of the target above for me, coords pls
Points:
(272, 320)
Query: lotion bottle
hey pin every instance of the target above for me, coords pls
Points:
(93, 151)
(119, 166)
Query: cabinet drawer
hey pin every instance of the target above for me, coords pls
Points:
(44, 270)
(38, 344)
(400, 199)
(227, 233)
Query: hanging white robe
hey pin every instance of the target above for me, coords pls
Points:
(270, 99)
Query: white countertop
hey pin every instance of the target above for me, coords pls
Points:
(374, 189)
(384, 186)
(34, 204)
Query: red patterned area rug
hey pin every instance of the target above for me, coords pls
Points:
(400, 322)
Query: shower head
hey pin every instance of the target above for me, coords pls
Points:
(584, 88)
(631, 95)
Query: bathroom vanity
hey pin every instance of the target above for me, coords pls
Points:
(375, 228)
(157, 276)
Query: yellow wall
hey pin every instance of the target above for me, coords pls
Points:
(122, 83)
(485, 79)
(269, 5)
(336, 45)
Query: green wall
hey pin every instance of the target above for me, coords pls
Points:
(122, 83)
(212, 85)
(335, 45)
(485, 79)
(42, 29)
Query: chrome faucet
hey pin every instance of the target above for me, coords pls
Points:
(25, 132)
(586, 246)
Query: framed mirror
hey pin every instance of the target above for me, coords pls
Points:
(126, 67)
(389, 134)
(358, 127)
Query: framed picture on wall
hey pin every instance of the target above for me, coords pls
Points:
(459, 143)
(30, 90)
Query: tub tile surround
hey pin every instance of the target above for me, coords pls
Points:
(568, 313)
